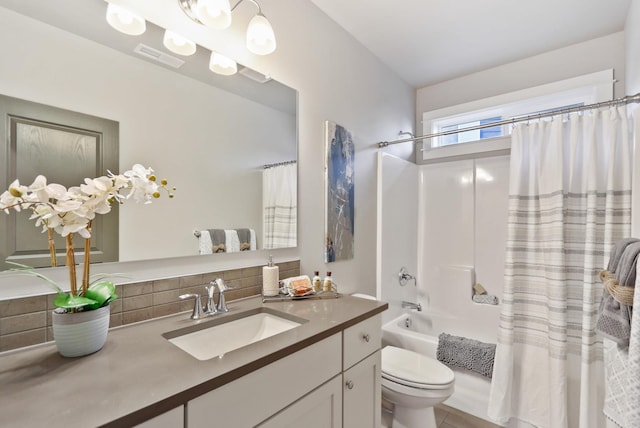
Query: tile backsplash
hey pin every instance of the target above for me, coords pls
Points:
(27, 321)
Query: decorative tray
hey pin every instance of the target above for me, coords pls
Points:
(316, 295)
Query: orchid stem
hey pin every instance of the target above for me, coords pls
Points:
(87, 261)
(71, 264)
(52, 248)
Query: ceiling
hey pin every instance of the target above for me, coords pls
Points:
(430, 41)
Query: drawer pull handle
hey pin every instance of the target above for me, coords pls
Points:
(349, 384)
(366, 337)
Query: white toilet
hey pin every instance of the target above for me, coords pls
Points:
(414, 383)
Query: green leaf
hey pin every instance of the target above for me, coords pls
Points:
(28, 270)
(67, 301)
(97, 277)
(101, 293)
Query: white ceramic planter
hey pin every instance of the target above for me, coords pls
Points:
(81, 333)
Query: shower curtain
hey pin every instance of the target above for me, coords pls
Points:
(569, 201)
(280, 203)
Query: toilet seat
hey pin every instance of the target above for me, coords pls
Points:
(415, 370)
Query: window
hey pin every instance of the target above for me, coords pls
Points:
(574, 92)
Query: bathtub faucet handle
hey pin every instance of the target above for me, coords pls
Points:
(404, 276)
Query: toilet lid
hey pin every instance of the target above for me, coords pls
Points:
(414, 369)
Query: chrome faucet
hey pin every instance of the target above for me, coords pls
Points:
(211, 308)
(197, 305)
(411, 305)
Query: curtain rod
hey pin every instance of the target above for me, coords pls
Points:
(271, 165)
(624, 100)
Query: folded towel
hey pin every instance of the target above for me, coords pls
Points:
(232, 241)
(486, 299)
(614, 320)
(244, 235)
(204, 242)
(466, 353)
(218, 240)
(626, 269)
(616, 253)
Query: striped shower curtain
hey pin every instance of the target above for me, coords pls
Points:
(280, 204)
(569, 201)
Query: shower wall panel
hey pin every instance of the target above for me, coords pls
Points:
(463, 222)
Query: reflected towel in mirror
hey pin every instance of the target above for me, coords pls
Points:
(226, 240)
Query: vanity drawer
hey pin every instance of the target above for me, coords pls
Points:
(361, 340)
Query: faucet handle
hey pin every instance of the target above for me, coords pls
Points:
(222, 302)
(222, 286)
(211, 304)
(197, 305)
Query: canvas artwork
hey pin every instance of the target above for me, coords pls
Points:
(339, 195)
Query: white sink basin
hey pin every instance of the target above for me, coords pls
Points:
(219, 336)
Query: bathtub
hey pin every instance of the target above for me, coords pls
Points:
(419, 332)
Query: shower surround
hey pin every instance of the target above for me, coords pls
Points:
(453, 217)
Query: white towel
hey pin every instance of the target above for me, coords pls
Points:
(253, 243)
(204, 242)
(232, 241)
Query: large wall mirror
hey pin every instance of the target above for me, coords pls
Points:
(211, 136)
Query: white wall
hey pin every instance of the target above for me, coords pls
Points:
(582, 58)
(341, 81)
(632, 39)
(632, 48)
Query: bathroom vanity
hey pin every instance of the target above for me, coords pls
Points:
(324, 372)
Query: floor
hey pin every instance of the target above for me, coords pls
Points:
(448, 417)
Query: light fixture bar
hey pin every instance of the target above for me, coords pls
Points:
(260, 38)
(189, 7)
(252, 1)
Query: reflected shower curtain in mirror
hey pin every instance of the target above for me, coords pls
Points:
(569, 202)
(280, 203)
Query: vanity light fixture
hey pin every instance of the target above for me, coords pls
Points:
(213, 13)
(221, 64)
(178, 44)
(261, 39)
(125, 21)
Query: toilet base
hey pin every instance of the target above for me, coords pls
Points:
(405, 417)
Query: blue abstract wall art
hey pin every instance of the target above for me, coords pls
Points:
(339, 195)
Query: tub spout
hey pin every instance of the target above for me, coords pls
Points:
(411, 305)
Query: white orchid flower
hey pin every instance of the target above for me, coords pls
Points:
(13, 197)
(70, 210)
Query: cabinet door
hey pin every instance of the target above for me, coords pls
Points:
(320, 408)
(362, 394)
